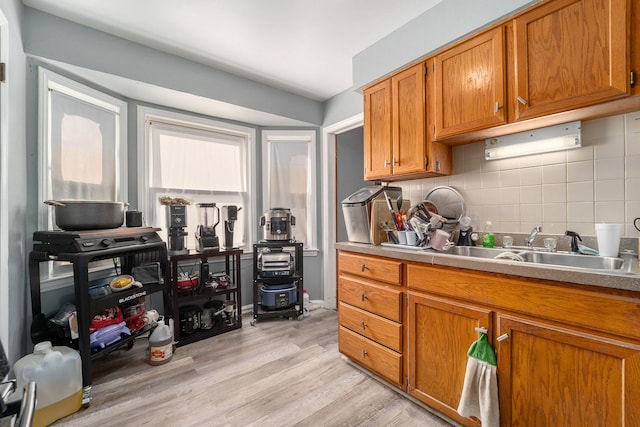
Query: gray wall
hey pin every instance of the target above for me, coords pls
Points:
(14, 192)
(54, 38)
(349, 177)
(446, 22)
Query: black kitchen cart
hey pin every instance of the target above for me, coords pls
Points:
(277, 263)
(131, 246)
(200, 294)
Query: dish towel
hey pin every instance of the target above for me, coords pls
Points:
(480, 391)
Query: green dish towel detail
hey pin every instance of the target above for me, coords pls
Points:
(482, 350)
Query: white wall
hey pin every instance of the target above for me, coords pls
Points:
(599, 182)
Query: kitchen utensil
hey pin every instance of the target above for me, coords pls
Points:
(399, 203)
(74, 215)
(393, 213)
(449, 203)
(507, 241)
(379, 214)
(636, 223)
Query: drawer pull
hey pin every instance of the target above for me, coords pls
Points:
(502, 337)
(363, 297)
(364, 353)
(364, 326)
(363, 268)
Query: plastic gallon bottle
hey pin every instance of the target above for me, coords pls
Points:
(160, 345)
(57, 372)
(488, 239)
(305, 302)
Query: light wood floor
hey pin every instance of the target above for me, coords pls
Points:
(277, 373)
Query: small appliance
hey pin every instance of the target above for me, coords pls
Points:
(464, 236)
(209, 218)
(275, 263)
(177, 233)
(229, 217)
(276, 224)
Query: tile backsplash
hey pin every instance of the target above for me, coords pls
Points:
(569, 190)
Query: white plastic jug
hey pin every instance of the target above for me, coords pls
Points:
(57, 372)
(160, 345)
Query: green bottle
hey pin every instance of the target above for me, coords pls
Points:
(488, 238)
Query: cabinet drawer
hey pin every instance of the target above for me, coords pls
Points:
(373, 356)
(379, 329)
(381, 300)
(381, 269)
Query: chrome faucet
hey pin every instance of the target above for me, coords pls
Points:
(529, 240)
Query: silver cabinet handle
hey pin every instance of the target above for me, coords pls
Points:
(364, 326)
(364, 353)
(363, 268)
(522, 101)
(386, 163)
(497, 107)
(363, 297)
(502, 337)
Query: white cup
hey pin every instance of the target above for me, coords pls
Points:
(412, 238)
(608, 239)
(402, 237)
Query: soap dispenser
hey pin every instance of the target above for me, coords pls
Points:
(464, 236)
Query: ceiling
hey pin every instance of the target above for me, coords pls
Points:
(301, 46)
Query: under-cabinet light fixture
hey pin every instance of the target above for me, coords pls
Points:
(544, 140)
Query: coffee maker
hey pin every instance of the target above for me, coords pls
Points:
(209, 218)
(177, 234)
(229, 217)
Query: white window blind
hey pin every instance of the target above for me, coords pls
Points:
(202, 161)
(81, 152)
(289, 181)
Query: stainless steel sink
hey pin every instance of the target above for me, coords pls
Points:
(575, 261)
(475, 251)
(560, 259)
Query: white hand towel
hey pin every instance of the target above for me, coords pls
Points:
(480, 390)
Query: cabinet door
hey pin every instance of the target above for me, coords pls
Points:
(570, 54)
(548, 375)
(439, 336)
(377, 131)
(469, 85)
(409, 118)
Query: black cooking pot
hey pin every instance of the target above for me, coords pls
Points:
(74, 215)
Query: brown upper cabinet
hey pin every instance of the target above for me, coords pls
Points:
(570, 54)
(469, 85)
(395, 138)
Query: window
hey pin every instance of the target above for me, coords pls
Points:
(289, 179)
(200, 160)
(82, 149)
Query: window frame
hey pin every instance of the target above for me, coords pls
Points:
(270, 137)
(146, 113)
(47, 81)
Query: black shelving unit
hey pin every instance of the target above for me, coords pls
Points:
(201, 294)
(133, 247)
(278, 274)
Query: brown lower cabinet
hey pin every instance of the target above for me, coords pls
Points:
(568, 355)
